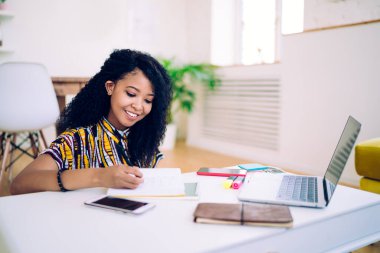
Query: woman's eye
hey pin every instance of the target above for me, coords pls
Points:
(148, 101)
(131, 94)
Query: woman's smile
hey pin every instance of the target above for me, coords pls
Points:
(131, 114)
(131, 99)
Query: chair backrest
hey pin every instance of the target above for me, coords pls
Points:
(27, 98)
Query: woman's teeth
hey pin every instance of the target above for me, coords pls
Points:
(132, 114)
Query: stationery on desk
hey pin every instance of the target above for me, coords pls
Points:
(233, 182)
(244, 214)
(163, 182)
(237, 182)
(252, 166)
(222, 172)
(191, 190)
(237, 173)
(239, 170)
(228, 182)
(257, 167)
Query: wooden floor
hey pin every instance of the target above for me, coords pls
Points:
(190, 159)
(187, 158)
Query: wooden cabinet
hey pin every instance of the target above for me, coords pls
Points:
(67, 86)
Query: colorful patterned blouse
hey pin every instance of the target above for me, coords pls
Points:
(91, 147)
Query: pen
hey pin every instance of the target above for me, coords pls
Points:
(237, 182)
(228, 182)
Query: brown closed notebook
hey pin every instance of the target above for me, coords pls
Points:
(244, 214)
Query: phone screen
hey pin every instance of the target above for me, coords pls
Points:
(120, 203)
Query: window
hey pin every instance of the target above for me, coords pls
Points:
(258, 31)
(249, 31)
(292, 16)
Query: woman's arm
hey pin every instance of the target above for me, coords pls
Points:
(41, 175)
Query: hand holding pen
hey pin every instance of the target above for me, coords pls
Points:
(120, 176)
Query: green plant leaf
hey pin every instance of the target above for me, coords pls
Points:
(184, 77)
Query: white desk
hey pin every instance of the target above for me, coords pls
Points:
(60, 222)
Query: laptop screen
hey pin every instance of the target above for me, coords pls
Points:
(340, 156)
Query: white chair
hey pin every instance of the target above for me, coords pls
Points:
(27, 105)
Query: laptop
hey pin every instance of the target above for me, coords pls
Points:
(298, 190)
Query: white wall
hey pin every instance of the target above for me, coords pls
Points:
(223, 18)
(73, 38)
(198, 30)
(198, 46)
(325, 76)
(327, 13)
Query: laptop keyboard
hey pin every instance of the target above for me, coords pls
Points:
(298, 188)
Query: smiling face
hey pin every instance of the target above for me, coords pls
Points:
(131, 99)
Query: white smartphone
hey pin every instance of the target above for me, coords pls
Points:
(120, 204)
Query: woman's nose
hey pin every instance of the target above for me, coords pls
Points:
(137, 105)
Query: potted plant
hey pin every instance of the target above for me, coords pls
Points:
(184, 77)
(3, 5)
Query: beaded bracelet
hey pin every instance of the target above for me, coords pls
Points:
(61, 187)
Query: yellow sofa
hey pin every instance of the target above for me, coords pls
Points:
(367, 164)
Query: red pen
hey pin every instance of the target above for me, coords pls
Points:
(237, 182)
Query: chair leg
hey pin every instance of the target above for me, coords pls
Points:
(33, 144)
(2, 139)
(5, 156)
(9, 141)
(42, 140)
(11, 153)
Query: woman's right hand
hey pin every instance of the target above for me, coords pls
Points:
(120, 176)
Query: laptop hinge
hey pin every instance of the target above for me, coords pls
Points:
(325, 192)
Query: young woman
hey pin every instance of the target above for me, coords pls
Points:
(110, 129)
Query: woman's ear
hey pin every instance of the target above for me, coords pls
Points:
(109, 87)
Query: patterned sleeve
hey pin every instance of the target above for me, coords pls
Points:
(61, 150)
(159, 156)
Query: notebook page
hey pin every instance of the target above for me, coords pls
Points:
(157, 182)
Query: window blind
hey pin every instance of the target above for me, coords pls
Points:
(244, 112)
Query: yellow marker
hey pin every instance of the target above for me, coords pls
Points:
(228, 182)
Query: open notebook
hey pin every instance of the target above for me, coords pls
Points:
(163, 182)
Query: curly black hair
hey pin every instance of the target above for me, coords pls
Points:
(92, 103)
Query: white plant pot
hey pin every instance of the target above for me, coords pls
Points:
(170, 137)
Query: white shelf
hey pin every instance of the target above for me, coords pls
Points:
(5, 50)
(6, 14)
